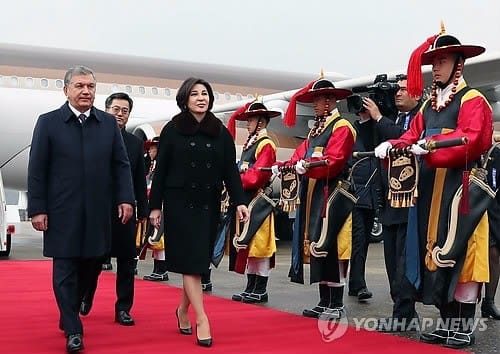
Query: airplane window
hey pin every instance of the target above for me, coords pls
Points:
(29, 82)
(114, 88)
(216, 95)
(59, 84)
(44, 83)
(14, 81)
(239, 97)
(128, 88)
(227, 96)
(167, 92)
(142, 90)
(154, 90)
(250, 96)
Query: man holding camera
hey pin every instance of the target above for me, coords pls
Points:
(394, 220)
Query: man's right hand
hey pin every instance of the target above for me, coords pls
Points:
(40, 222)
(372, 108)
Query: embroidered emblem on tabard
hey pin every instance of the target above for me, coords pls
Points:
(403, 178)
(289, 195)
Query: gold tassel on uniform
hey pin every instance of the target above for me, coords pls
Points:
(140, 233)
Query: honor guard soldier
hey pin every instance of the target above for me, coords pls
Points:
(320, 236)
(157, 241)
(447, 238)
(256, 243)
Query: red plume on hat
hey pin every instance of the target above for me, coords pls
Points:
(291, 111)
(231, 124)
(415, 83)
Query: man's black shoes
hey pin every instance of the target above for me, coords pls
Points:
(74, 343)
(362, 294)
(85, 307)
(124, 318)
(489, 310)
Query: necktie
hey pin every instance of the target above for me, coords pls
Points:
(400, 117)
(81, 118)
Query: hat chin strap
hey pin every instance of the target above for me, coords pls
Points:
(258, 127)
(442, 85)
(255, 133)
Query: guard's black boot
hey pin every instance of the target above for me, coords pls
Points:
(162, 270)
(159, 271)
(249, 288)
(259, 294)
(441, 334)
(206, 283)
(464, 335)
(438, 336)
(324, 302)
(489, 310)
(155, 269)
(335, 309)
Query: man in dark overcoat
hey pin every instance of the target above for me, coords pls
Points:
(123, 246)
(77, 167)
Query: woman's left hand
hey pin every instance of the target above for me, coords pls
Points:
(242, 212)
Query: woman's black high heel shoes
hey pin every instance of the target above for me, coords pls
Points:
(203, 342)
(186, 331)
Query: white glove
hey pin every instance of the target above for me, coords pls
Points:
(275, 170)
(381, 149)
(417, 150)
(299, 167)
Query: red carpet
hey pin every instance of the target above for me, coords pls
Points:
(29, 320)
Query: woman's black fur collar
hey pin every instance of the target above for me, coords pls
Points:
(188, 125)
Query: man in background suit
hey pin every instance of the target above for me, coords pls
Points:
(395, 220)
(123, 235)
(77, 154)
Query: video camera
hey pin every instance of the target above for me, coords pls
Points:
(382, 92)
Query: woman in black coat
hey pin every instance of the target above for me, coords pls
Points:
(196, 155)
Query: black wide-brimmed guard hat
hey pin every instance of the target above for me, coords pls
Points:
(250, 109)
(257, 109)
(446, 43)
(323, 87)
(424, 54)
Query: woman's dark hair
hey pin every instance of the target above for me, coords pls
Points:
(185, 90)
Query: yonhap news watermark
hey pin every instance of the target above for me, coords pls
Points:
(331, 327)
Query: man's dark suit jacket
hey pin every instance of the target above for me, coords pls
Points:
(75, 173)
(123, 239)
